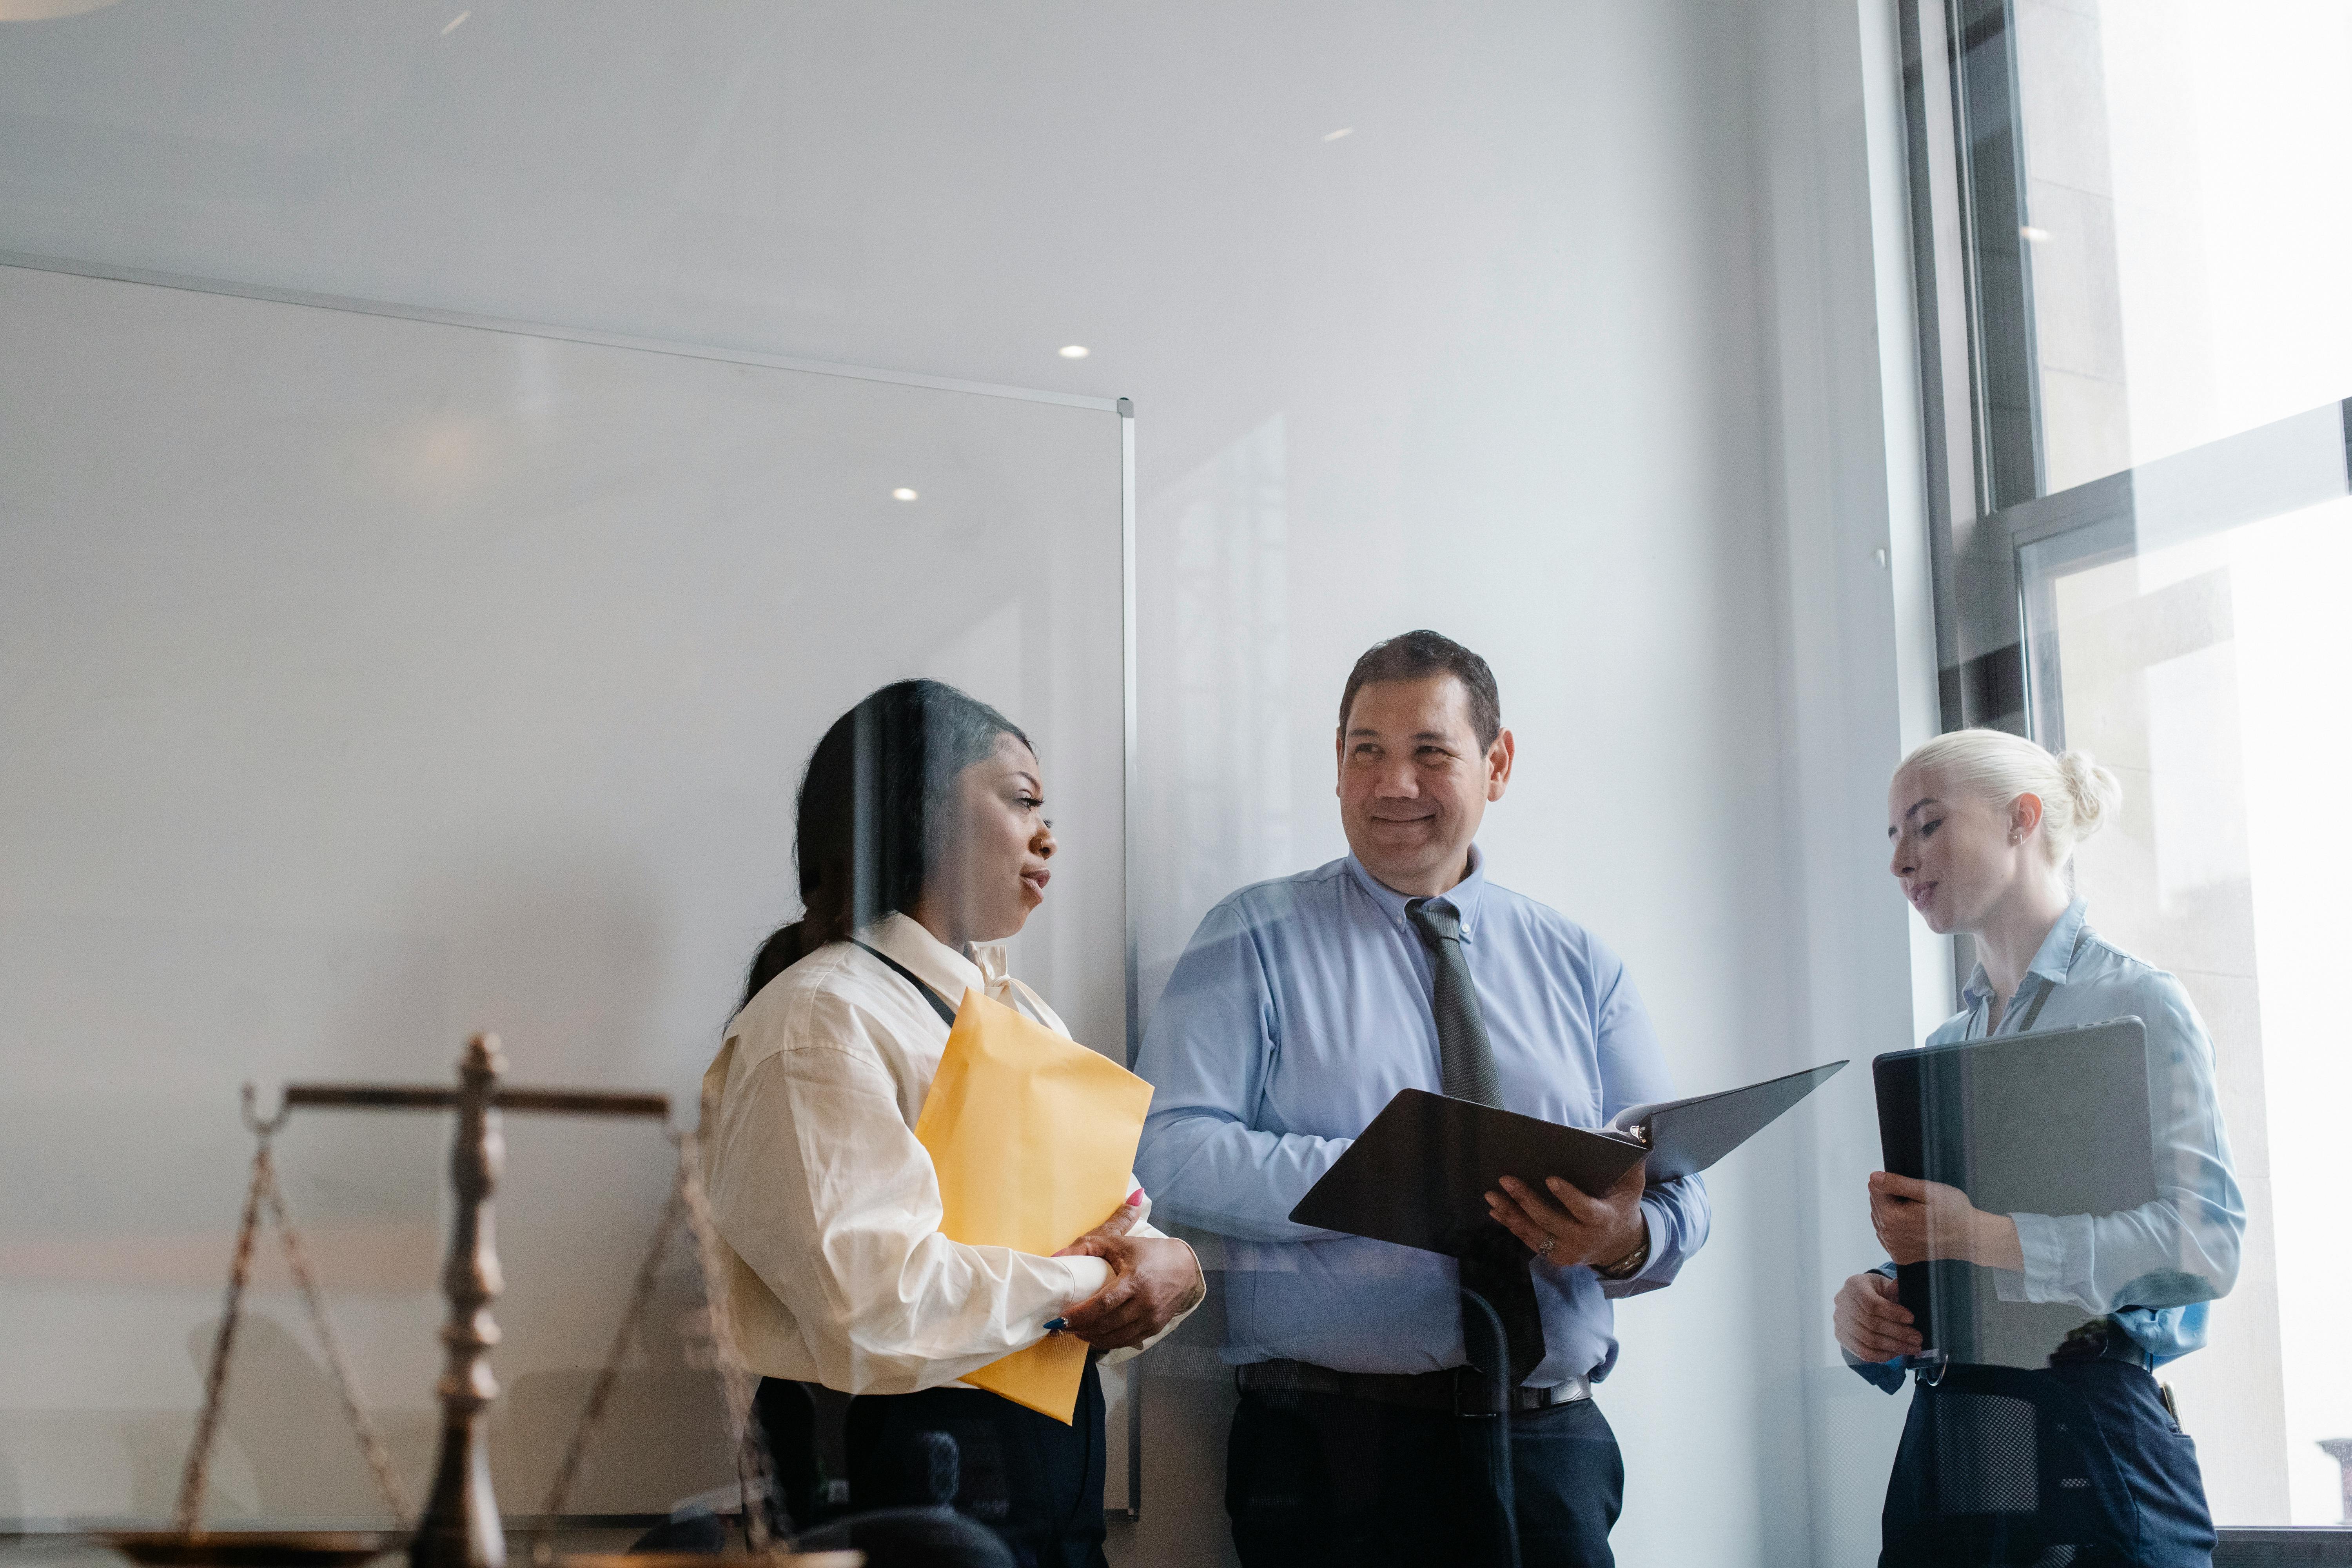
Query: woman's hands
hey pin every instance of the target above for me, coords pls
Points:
(1123, 1220)
(1154, 1281)
(1918, 1220)
(1871, 1323)
(1915, 1221)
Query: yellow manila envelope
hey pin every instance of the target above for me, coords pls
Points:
(1034, 1137)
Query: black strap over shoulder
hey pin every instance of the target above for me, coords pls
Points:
(2025, 1023)
(939, 1003)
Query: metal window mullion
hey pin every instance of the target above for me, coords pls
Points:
(1990, 134)
(1961, 321)
(1939, 307)
(2269, 471)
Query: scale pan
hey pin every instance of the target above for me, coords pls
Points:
(253, 1548)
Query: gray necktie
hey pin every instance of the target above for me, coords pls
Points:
(1466, 1062)
(1494, 1265)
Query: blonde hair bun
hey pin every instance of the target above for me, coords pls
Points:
(2077, 795)
(2097, 793)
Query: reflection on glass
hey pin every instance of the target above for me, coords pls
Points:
(2207, 674)
(2183, 162)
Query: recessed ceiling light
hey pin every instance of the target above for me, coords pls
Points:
(902, 493)
(1074, 351)
(1343, 131)
(2033, 236)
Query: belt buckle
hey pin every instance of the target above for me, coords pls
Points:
(1461, 1380)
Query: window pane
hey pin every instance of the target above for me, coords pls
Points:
(2208, 675)
(2184, 166)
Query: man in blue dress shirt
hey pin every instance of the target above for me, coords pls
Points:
(1300, 1008)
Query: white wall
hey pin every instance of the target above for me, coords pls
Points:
(1568, 349)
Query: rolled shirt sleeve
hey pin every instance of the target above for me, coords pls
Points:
(2183, 1247)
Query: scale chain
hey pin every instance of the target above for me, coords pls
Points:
(264, 1194)
(689, 1206)
(189, 1510)
(593, 1416)
(753, 1466)
(298, 1263)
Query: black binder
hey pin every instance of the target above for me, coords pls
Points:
(1419, 1175)
(2051, 1122)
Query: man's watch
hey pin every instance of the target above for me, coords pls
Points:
(1631, 1263)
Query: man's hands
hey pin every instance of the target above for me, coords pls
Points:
(1918, 1220)
(1871, 1323)
(1579, 1228)
(1154, 1281)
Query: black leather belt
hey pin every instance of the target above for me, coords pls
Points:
(2101, 1338)
(1456, 1390)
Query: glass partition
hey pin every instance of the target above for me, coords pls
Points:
(2133, 343)
(374, 678)
(2197, 657)
(2185, 251)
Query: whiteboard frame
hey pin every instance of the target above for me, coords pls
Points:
(33, 263)
(1123, 409)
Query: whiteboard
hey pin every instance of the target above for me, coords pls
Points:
(371, 677)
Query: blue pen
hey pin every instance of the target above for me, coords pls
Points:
(1056, 1325)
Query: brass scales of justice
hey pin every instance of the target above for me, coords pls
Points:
(460, 1526)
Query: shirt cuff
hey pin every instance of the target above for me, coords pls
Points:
(1653, 1217)
(1888, 1374)
(1088, 1274)
(2042, 1241)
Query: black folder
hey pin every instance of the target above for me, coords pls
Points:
(2052, 1123)
(1419, 1175)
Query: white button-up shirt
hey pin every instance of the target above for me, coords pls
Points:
(827, 1207)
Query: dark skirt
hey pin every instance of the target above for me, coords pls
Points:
(2080, 1464)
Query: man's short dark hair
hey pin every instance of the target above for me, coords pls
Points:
(1417, 656)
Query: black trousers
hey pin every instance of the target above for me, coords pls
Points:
(786, 1416)
(2080, 1462)
(1034, 1481)
(1320, 1478)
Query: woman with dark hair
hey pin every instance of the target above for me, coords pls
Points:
(921, 846)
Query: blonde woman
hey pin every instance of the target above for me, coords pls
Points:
(1984, 826)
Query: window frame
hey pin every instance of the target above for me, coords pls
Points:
(1997, 542)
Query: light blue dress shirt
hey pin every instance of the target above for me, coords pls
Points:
(2151, 1269)
(1300, 1010)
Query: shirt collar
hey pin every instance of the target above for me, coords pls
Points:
(2053, 960)
(929, 958)
(1465, 896)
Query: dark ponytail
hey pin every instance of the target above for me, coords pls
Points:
(873, 812)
